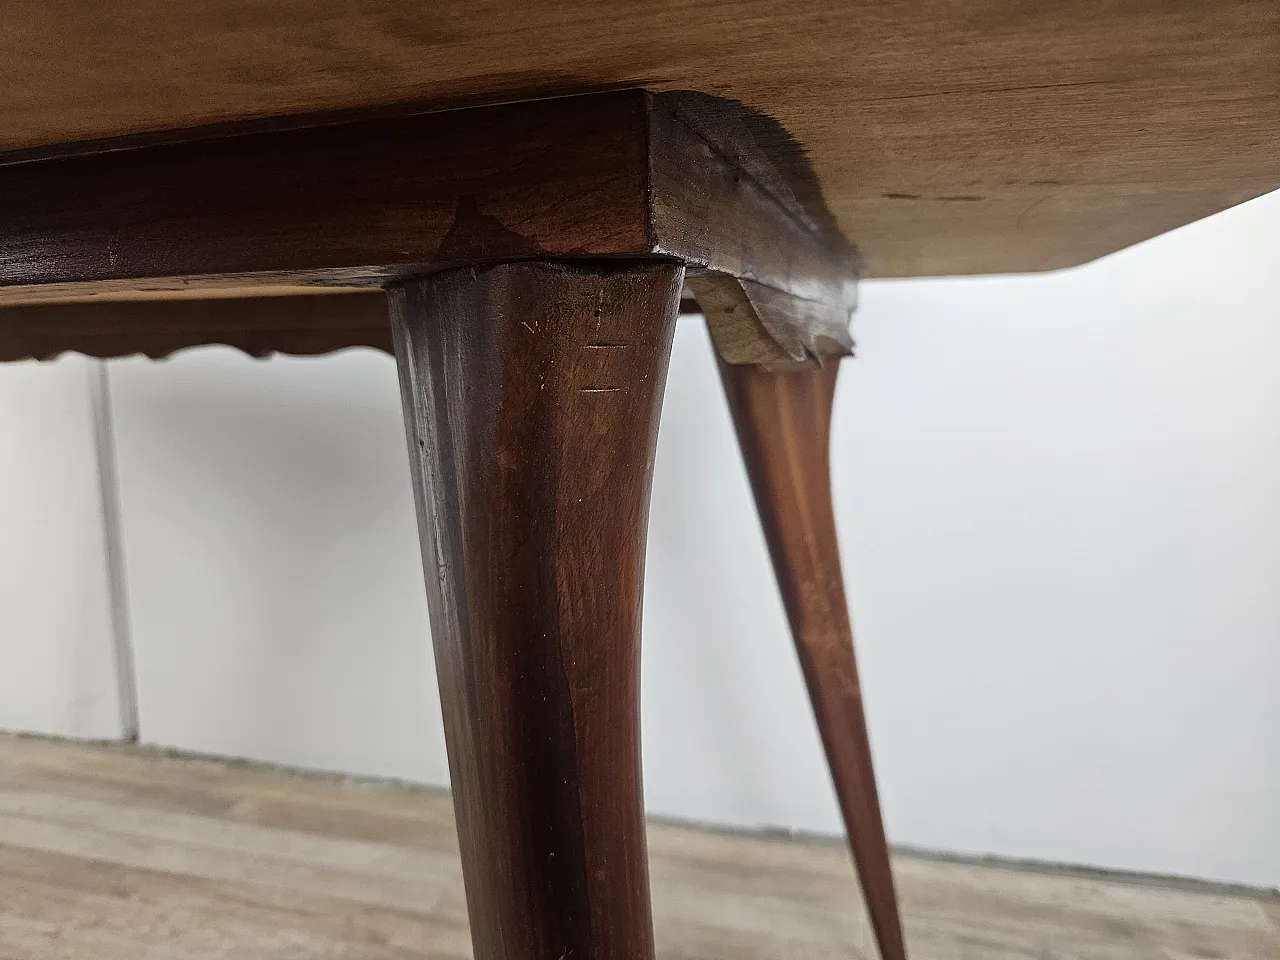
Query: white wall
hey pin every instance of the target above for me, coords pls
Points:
(56, 662)
(275, 583)
(1060, 505)
(1057, 497)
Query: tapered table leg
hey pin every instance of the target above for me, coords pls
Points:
(783, 421)
(532, 392)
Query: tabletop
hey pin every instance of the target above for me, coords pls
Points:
(949, 137)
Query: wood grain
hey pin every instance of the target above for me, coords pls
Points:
(346, 203)
(752, 323)
(111, 853)
(342, 203)
(259, 326)
(532, 393)
(951, 138)
(297, 324)
(731, 191)
(783, 420)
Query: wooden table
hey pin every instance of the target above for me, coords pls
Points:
(526, 192)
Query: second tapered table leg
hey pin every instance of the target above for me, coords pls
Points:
(783, 419)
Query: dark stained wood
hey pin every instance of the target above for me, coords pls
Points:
(732, 191)
(300, 324)
(361, 203)
(341, 204)
(950, 137)
(314, 324)
(783, 419)
(532, 392)
(624, 173)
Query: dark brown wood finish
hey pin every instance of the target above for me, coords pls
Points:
(306, 324)
(733, 192)
(534, 256)
(532, 392)
(361, 203)
(300, 324)
(346, 203)
(783, 419)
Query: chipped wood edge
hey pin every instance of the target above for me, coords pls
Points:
(751, 323)
(728, 192)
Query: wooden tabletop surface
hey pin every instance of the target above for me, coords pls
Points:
(950, 137)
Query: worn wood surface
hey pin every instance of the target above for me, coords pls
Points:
(754, 324)
(783, 420)
(532, 393)
(294, 324)
(337, 204)
(119, 853)
(307, 324)
(361, 203)
(733, 192)
(985, 136)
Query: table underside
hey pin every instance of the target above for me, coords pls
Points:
(234, 221)
(949, 138)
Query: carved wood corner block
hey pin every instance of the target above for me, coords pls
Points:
(261, 216)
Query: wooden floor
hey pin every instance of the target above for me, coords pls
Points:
(118, 854)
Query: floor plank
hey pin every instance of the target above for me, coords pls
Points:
(115, 853)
